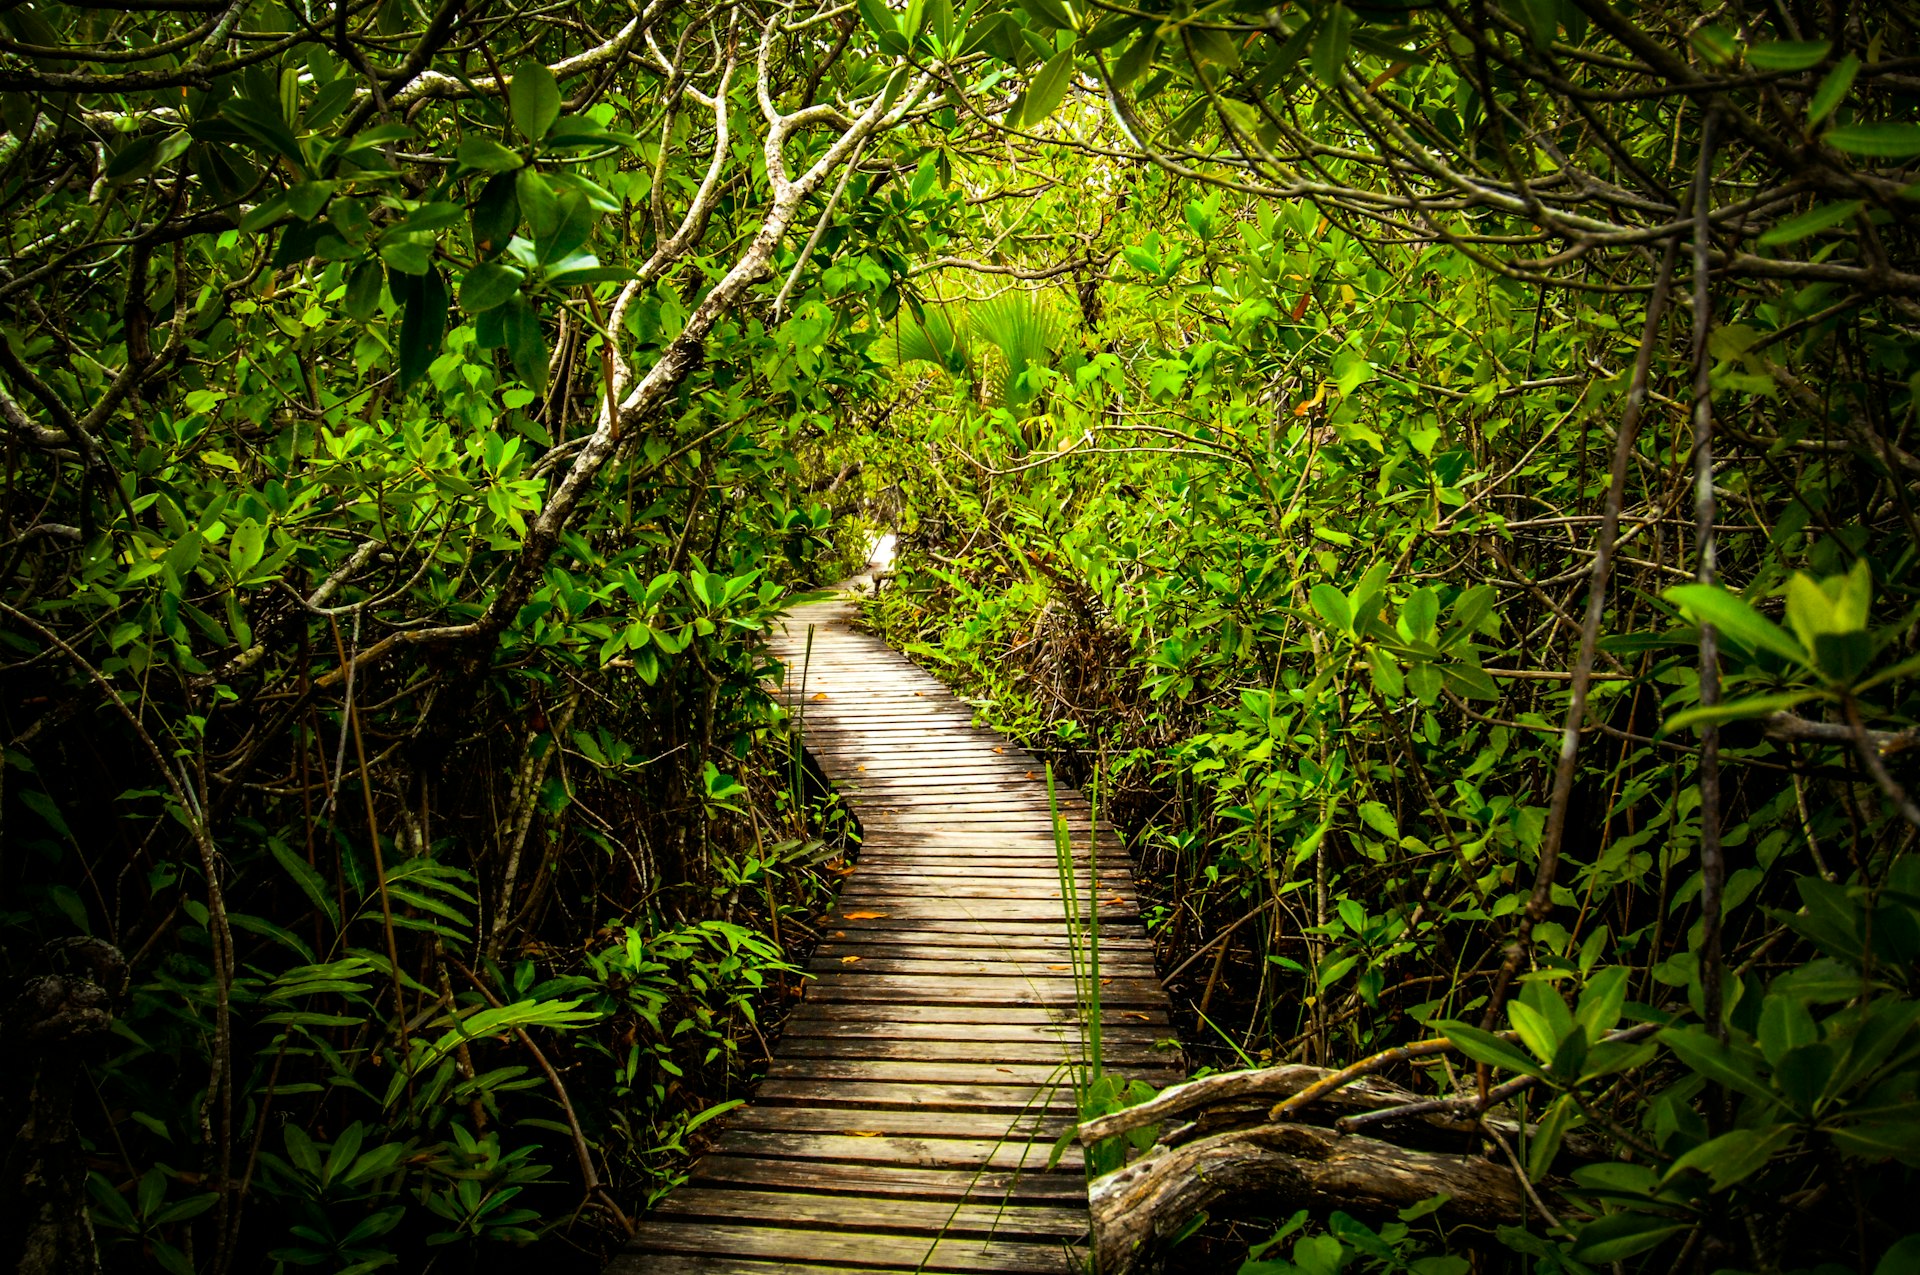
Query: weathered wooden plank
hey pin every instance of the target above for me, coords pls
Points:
(864, 1122)
(1066, 1015)
(925, 1153)
(1043, 1075)
(877, 1213)
(836, 1027)
(1066, 1049)
(991, 1187)
(857, 1251)
(877, 1095)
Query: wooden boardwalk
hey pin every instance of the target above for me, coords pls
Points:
(916, 1093)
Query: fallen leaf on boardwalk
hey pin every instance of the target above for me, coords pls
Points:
(1058, 967)
(865, 916)
(865, 1133)
(820, 695)
(999, 750)
(1008, 1070)
(839, 934)
(1137, 1014)
(1029, 774)
(848, 960)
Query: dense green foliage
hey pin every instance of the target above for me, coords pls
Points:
(414, 413)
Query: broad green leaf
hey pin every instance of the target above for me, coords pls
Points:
(1331, 42)
(1386, 673)
(487, 155)
(1535, 1032)
(1621, 1235)
(1837, 604)
(881, 21)
(1788, 55)
(526, 343)
(489, 284)
(1734, 1156)
(1720, 1062)
(1735, 710)
(365, 286)
(1470, 682)
(1716, 45)
(1824, 217)
(1711, 604)
(1877, 141)
(1050, 13)
(578, 130)
(1047, 89)
(1332, 606)
(496, 214)
(533, 96)
(1420, 615)
(1487, 1048)
(1601, 1002)
(1546, 1140)
(423, 322)
(1785, 1025)
(1832, 89)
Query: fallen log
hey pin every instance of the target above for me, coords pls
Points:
(1136, 1209)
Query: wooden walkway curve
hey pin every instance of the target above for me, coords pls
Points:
(917, 1091)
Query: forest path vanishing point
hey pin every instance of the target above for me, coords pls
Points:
(915, 1095)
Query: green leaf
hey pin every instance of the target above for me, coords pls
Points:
(1715, 45)
(1420, 615)
(1832, 89)
(378, 135)
(578, 130)
(1331, 42)
(407, 256)
(570, 225)
(526, 343)
(1823, 981)
(1722, 1063)
(1902, 1259)
(265, 126)
(1542, 20)
(1546, 1141)
(1807, 224)
(716, 1110)
(364, 287)
(1469, 682)
(1135, 62)
(1047, 89)
(1535, 1032)
(533, 96)
(1877, 141)
(487, 155)
(1734, 1156)
(1049, 13)
(1386, 673)
(1332, 606)
(1788, 55)
(496, 213)
(1621, 1235)
(1711, 604)
(881, 21)
(588, 271)
(489, 284)
(423, 322)
(1735, 710)
(1487, 1048)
